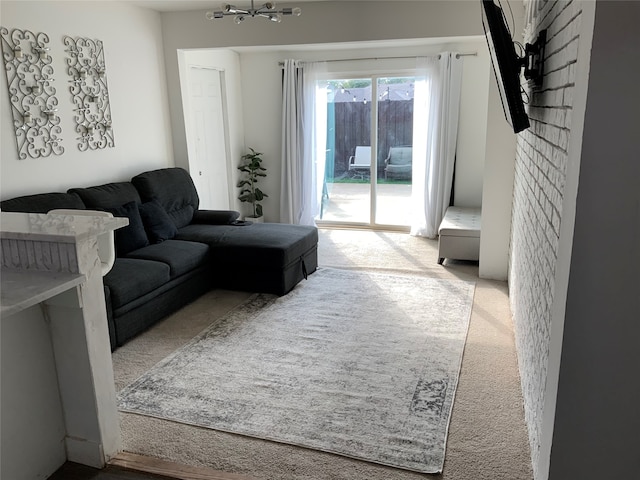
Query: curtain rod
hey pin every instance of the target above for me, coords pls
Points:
(458, 55)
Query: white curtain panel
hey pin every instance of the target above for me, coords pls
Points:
(435, 133)
(291, 181)
(314, 105)
(304, 139)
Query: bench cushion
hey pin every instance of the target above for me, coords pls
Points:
(461, 222)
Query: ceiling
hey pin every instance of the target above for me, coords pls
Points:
(184, 5)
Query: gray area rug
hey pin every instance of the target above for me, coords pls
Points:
(358, 364)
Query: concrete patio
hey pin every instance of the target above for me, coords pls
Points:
(351, 203)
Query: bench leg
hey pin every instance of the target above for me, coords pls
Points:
(440, 260)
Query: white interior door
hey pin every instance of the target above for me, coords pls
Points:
(208, 158)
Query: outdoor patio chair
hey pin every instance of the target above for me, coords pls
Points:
(398, 163)
(360, 163)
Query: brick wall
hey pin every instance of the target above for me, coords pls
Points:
(541, 159)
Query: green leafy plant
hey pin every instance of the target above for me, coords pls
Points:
(249, 192)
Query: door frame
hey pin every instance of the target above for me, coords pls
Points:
(374, 76)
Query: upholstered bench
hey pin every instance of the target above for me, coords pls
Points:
(459, 234)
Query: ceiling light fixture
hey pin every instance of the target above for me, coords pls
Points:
(267, 10)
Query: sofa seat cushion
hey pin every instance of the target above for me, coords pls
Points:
(267, 245)
(131, 278)
(179, 255)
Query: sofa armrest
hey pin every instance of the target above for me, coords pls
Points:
(215, 217)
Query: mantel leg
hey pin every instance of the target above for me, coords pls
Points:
(82, 353)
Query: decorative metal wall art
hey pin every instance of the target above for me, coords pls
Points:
(32, 96)
(86, 67)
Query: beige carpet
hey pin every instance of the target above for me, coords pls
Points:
(487, 435)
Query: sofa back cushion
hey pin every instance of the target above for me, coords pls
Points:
(173, 189)
(42, 202)
(106, 196)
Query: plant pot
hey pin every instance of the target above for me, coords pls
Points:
(255, 219)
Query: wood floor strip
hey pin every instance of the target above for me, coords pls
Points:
(157, 466)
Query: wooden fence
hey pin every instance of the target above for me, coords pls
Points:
(350, 126)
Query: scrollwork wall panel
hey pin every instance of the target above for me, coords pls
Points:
(31, 93)
(86, 67)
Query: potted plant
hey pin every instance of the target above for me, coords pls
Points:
(252, 170)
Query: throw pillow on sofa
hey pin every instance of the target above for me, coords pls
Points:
(133, 236)
(158, 225)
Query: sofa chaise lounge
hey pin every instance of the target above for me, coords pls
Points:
(172, 252)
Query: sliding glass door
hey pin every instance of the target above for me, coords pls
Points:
(369, 152)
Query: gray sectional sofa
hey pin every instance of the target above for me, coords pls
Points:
(172, 252)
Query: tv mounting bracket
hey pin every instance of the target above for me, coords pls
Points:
(533, 59)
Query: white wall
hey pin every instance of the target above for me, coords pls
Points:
(261, 73)
(497, 194)
(418, 24)
(472, 126)
(598, 387)
(33, 429)
(497, 191)
(137, 90)
(546, 181)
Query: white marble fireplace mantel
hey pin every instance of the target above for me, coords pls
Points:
(58, 394)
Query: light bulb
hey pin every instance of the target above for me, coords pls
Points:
(239, 19)
(275, 18)
(269, 5)
(210, 15)
(292, 11)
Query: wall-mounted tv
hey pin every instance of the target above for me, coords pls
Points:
(506, 65)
